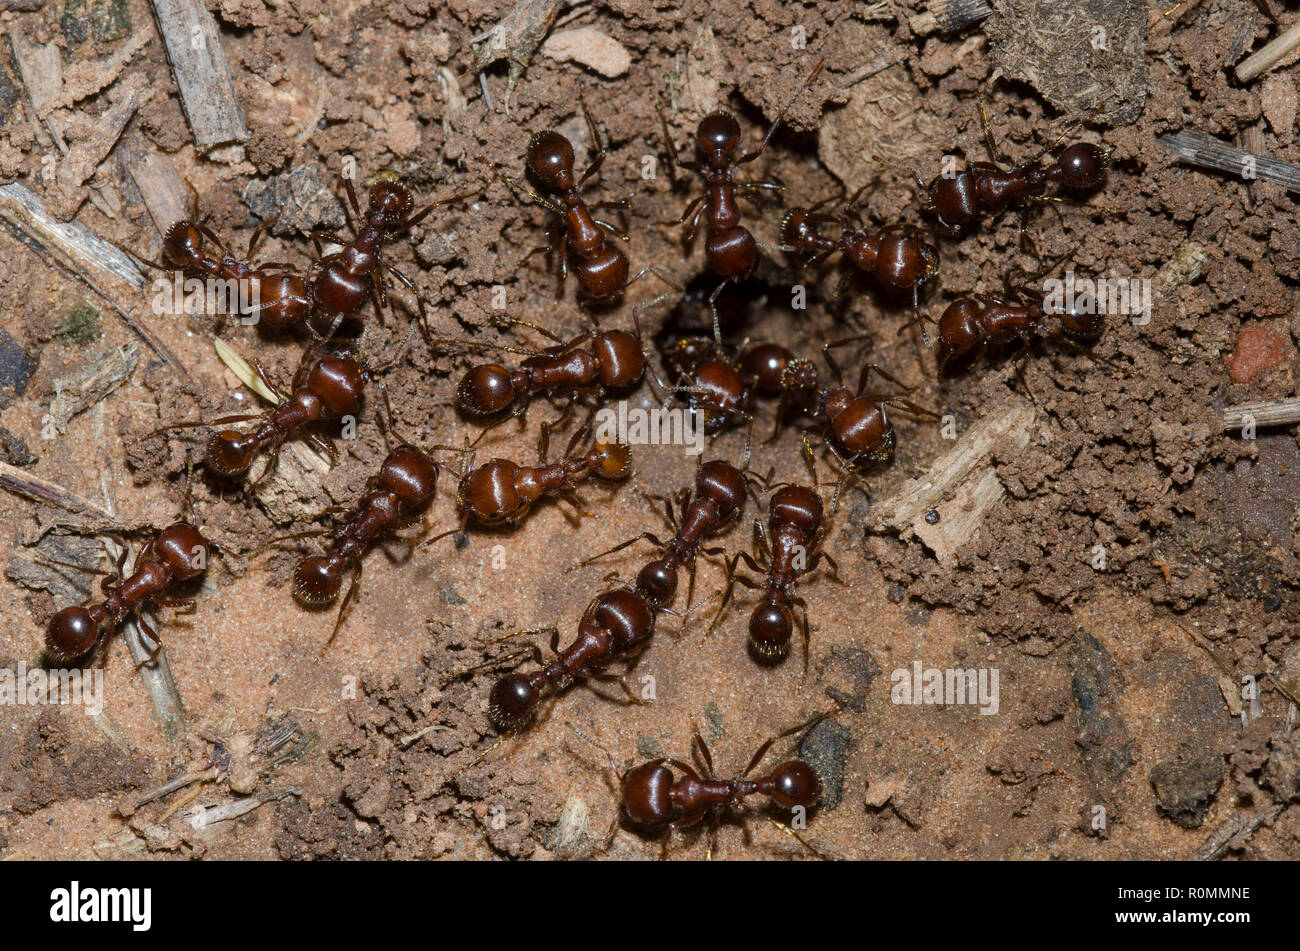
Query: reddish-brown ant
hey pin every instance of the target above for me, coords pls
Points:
(332, 390)
(601, 265)
(730, 249)
(720, 490)
(857, 429)
(177, 553)
(342, 282)
(608, 360)
(395, 497)
(501, 491)
(721, 389)
(895, 260)
(655, 799)
(790, 546)
(986, 189)
(276, 295)
(972, 322)
(615, 625)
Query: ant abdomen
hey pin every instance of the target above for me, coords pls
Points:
(317, 581)
(73, 632)
(657, 582)
(770, 628)
(511, 701)
(795, 784)
(182, 245)
(486, 390)
(1082, 165)
(765, 367)
(231, 453)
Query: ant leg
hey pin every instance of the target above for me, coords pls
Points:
(352, 200)
(743, 160)
(762, 750)
(259, 233)
(347, 600)
(713, 310)
(406, 282)
(596, 144)
(420, 215)
(995, 154)
(612, 229)
(674, 161)
(631, 541)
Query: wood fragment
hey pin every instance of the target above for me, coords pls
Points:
(1279, 413)
(1183, 268)
(966, 503)
(156, 675)
(203, 818)
(128, 806)
(949, 16)
(78, 253)
(1218, 842)
(202, 73)
(99, 376)
(42, 490)
(165, 193)
(1197, 148)
(1269, 55)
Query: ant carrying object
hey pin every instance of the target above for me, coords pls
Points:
(176, 554)
(665, 794)
(599, 264)
(986, 189)
(730, 249)
(325, 387)
(790, 546)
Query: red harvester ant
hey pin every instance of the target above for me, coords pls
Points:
(731, 251)
(177, 553)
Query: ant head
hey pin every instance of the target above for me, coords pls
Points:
(647, 794)
(614, 460)
(795, 784)
(765, 367)
(1083, 165)
(657, 582)
(182, 244)
(339, 382)
(485, 390)
(71, 633)
(410, 475)
(512, 699)
(550, 160)
(230, 453)
(391, 203)
(283, 300)
(723, 484)
(316, 581)
(796, 505)
(182, 549)
(770, 627)
(619, 358)
(718, 132)
(798, 231)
